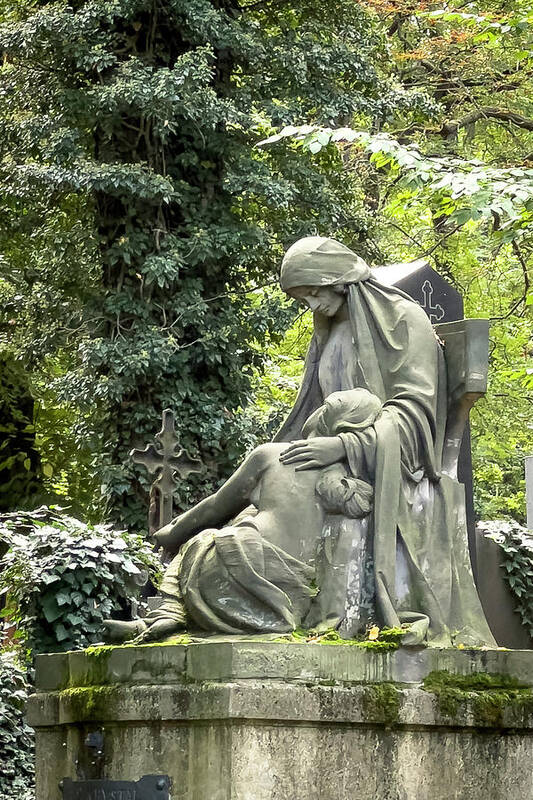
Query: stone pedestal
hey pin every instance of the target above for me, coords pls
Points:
(255, 720)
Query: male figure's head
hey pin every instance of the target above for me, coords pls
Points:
(343, 412)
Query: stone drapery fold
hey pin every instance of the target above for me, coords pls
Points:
(234, 581)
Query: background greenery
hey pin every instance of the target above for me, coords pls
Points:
(17, 748)
(141, 232)
(142, 228)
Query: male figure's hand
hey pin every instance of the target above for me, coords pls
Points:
(164, 535)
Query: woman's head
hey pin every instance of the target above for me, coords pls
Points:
(316, 269)
(325, 300)
(342, 412)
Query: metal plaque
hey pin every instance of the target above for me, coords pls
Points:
(151, 787)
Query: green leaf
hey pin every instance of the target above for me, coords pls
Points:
(50, 608)
(315, 146)
(61, 632)
(62, 598)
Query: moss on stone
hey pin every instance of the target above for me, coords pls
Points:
(389, 639)
(97, 661)
(486, 695)
(99, 652)
(381, 703)
(178, 638)
(103, 651)
(89, 702)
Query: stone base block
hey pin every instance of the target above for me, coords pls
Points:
(271, 721)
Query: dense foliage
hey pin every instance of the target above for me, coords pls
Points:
(61, 577)
(16, 737)
(141, 221)
(19, 457)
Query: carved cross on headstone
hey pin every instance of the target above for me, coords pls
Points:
(165, 461)
(434, 312)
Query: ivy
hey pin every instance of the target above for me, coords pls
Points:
(516, 543)
(16, 737)
(61, 578)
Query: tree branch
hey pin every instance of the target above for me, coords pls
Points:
(518, 253)
(451, 127)
(440, 242)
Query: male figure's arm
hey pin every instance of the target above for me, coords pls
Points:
(217, 509)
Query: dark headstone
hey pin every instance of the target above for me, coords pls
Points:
(442, 303)
(151, 787)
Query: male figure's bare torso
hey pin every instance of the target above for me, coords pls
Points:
(289, 512)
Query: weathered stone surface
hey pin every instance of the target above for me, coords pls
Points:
(271, 721)
(227, 660)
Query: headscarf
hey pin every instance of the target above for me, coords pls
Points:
(344, 412)
(319, 261)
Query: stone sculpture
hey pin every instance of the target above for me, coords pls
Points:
(257, 573)
(375, 358)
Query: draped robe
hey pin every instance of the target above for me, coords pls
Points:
(418, 512)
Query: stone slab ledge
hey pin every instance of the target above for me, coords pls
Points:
(382, 704)
(248, 660)
(285, 683)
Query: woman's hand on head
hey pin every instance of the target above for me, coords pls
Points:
(314, 453)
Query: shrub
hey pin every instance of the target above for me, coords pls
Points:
(516, 543)
(62, 577)
(16, 738)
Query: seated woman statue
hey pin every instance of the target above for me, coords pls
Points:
(372, 336)
(256, 574)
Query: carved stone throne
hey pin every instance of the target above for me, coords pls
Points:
(466, 352)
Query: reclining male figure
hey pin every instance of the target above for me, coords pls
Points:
(256, 574)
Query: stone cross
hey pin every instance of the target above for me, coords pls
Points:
(164, 461)
(435, 312)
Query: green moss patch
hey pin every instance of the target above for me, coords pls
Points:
(89, 702)
(381, 703)
(486, 695)
(388, 639)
